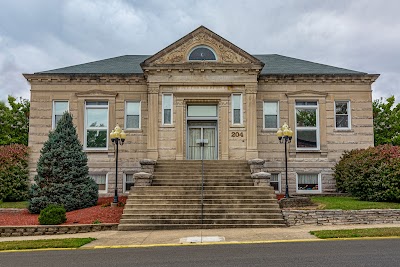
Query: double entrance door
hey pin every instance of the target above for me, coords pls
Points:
(199, 133)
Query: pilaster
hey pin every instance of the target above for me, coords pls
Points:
(224, 128)
(152, 135)
(251, 121)
(180, 116)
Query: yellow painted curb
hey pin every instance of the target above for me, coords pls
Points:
(210, 243)
(37, 249)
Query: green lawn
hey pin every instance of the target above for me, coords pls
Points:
(349, 233)
(48, 243)
(14, 205)
(350, 203)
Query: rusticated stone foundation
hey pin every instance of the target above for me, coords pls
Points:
(6, 231)
(337, 217)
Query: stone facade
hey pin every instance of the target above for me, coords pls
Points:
(206, 83)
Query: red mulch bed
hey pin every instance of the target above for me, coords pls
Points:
(102, 212)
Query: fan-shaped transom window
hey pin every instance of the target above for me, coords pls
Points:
(202, 53)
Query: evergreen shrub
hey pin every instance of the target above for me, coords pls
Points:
(13, 172)
(62, 172)
(371, 174)
(52, 215)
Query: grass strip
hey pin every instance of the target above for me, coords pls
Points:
(350, 203)
(349, 233)
(14, 205)
(45, 243)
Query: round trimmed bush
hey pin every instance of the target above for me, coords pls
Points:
(371, 174)
(52, 215)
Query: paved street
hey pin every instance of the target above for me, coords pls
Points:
(321, 253)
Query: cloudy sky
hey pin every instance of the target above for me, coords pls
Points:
(46, 34)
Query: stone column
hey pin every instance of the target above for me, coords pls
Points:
(251, 121)
(224, 129)
(152, 122)
(180, 122)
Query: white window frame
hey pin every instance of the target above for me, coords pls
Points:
(277, 114)
(97, 128)
(126, 114)
(124, 182)
(279, 181)
(307, 128)
(348, 115)
(101, 191)
(172, 109)
(309, 191)
(233, 109)
(53, 118)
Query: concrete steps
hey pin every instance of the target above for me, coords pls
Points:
(174, 200)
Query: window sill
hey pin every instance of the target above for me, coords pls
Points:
(269, 130)
(167, 126)
(139, 130)
(308, 192)
(343, 130)
(97, 151)
(237, 126)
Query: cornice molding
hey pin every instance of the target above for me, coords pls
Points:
(96, 93)
(322, 78)
(306, 93)
(85, 79)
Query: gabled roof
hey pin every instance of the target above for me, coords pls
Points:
(274, 65)
(201, 36)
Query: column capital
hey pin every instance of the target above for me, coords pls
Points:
(153, 88)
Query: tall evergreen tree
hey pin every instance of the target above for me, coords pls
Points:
(63, 172)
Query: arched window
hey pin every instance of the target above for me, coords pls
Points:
(202, 53)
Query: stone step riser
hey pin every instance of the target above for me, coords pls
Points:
(140, 227)
(198, 192)
(198, 196)
(188, 183)
(206, 206)
(206, 188)
(210, 211)
(205, 201)
(196, 221)
(205, 217)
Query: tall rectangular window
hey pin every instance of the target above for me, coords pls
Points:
(271, 114)
(101, 181)
(129, 182)
(342, 115)
(167, 109)
(308, 183)
(96, 125)
(307, 125)
(59, 107)
(237, 109)
(132, 115)
(275, 181)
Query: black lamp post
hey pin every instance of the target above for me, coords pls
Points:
(285, 136)
(117, 138)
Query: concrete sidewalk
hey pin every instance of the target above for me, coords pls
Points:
(176, 237)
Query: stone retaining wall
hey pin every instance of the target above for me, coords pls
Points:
(335, 217)
(7, 231)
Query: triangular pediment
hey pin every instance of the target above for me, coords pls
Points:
(178, 52)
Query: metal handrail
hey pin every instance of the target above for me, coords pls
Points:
(202, 182)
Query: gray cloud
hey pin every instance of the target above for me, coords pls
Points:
(48, 34)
